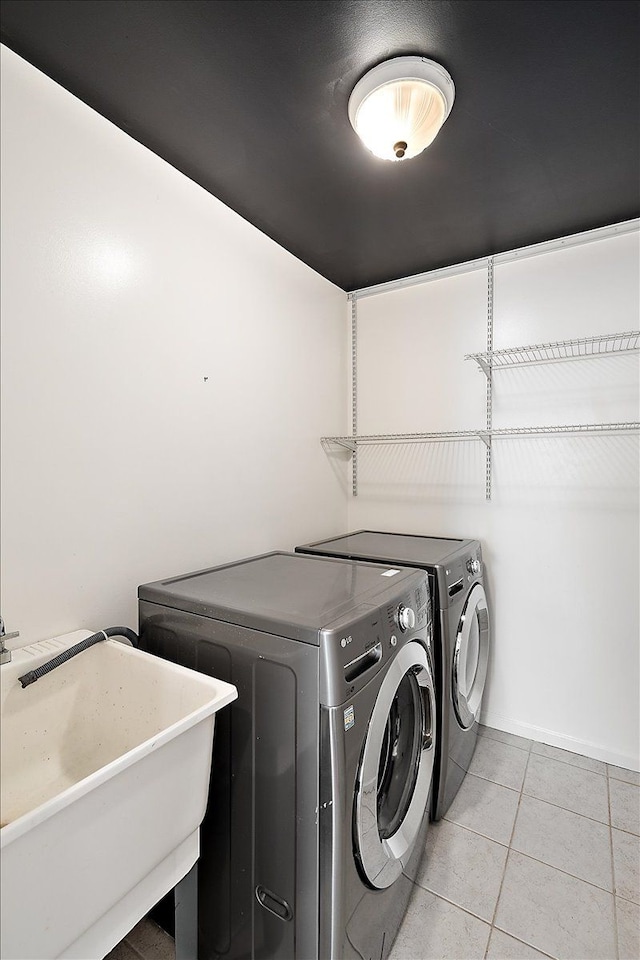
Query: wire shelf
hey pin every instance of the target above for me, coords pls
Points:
(560, 350)
(576, 428)
(352, 443)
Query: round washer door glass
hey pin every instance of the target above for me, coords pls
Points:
(396, 767)
(470, 657)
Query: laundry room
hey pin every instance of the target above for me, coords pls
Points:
(336, 436)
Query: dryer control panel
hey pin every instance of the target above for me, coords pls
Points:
(355, 648)
(461, 572)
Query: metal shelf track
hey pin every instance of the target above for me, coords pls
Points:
(581, 349)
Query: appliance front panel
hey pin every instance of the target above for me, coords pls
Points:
(395, 774)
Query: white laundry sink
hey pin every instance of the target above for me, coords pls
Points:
(105, 766)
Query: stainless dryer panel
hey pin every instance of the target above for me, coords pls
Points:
(455, 577)
(286, 594)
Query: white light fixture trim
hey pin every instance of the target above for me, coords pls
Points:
(398, 107)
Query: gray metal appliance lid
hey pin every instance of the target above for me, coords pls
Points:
(288, 594)
(403, 548)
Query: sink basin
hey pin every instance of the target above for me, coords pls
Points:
(105, 766)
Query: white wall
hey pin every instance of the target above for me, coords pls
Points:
(167, 372)
(560, 535)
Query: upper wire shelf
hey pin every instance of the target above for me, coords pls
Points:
(560, 350)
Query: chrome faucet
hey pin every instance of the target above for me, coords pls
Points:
(5, 655)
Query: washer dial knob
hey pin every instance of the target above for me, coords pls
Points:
(406, 618)
(474, 566)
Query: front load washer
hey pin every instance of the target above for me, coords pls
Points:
(322, 768)
(460, 641)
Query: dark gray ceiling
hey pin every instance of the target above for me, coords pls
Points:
(249, 99)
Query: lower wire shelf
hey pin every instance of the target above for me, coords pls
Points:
(448, 436)
(357, 441)
(353, 442)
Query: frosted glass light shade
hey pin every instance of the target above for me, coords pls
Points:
(398, 108)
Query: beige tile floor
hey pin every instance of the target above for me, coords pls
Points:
(538, 856)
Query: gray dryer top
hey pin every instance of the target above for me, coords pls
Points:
(288, 594)
(402, 548)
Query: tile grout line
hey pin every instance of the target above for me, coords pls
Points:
(629, 783)
(452, 903)
(506, 859)
(629, 833)
(530, 749)
(565, 873)
(552, 804)
(524, 942)
(485, 736)
(479, 776)
(469, 913)
(613, 873)
(529, 856)
(576, 766)
(475, 832)
(521, 792)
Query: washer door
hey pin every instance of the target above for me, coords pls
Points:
(470, 657)
(396, 767)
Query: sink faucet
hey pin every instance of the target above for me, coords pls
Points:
(5, 655)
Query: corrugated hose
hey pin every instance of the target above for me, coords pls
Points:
(50, 665)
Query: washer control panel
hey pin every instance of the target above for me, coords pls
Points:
(355, 647)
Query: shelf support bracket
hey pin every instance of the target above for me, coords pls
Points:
(349, 445)
(484, 366)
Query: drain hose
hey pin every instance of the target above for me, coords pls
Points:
(50, 665)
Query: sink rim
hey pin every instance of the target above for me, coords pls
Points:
(33, 655)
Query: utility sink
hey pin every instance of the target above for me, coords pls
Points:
(105, 768)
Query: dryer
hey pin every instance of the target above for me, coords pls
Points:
(460, 642)
(322, 769)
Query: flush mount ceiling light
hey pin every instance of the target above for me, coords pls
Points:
(398, 107)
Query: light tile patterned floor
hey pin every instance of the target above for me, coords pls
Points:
(537, 857)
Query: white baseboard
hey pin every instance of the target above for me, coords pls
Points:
(575, 745)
